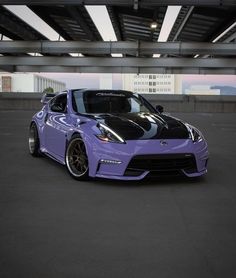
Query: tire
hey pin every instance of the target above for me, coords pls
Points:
(76, 158)
(34, 143)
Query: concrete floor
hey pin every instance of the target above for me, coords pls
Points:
(53, 226)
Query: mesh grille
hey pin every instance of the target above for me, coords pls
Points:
(165, 162)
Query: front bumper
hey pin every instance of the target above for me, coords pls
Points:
(112, 160)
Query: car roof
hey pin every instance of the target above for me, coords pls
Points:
(111, 91)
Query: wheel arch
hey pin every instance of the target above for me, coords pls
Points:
(68, 139)
(74, 135)
(37, 140)
(71, 135)
(33, 122)
(87, 139)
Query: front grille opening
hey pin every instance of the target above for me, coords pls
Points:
(133, 172)
(157, 174)
(165, 163)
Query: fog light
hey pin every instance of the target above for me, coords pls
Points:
(108, 161)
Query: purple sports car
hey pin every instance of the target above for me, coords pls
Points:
(116, 135)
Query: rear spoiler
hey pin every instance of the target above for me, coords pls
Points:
(46, 97)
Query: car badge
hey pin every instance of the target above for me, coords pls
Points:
(163, 143)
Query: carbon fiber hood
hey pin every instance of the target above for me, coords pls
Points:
(143, 126)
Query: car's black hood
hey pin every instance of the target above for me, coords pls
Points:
(133, 126)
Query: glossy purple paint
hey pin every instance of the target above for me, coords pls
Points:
(56, 129)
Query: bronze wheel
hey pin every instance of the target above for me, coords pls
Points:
(76, 159)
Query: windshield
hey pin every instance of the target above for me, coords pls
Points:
(101, 102)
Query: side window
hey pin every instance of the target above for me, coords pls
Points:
(135, 106)
(59, 103)
(78, 103)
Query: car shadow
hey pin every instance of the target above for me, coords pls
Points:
(158, 181)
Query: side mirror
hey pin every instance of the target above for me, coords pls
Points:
(160, 108)
(46, 97)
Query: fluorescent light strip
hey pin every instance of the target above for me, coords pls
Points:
(35, 54)
(76, 54)
(218, 37)
(4, 38)
(117, 55)
(223, 33)
(29, 17)
(102, 21)
(168, 23)
(24, 13)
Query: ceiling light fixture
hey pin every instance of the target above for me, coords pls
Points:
(28, 16)
(102, 21)
(171, 15)
(154, 25)
(225, 32)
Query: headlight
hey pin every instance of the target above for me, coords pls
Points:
(108, 135)
(194, 133)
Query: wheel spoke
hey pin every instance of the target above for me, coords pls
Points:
(78, 165)
(84, 167)
(77, 158)
(79, 147)
(76, 151)
(73, 162)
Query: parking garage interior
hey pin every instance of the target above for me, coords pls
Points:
(54, 226)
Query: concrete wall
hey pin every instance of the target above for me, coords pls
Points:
(20, 101)
(197, 103)
(171, 103)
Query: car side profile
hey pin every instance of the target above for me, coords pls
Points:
(115, 134)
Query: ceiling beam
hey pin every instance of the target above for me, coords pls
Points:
(142, 3)
(115, 22)
(81, 22)
(183, 23)
(131, 48)
(136, 70)
(7, 68)
(229, 63)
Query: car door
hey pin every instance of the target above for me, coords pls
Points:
(57, 126)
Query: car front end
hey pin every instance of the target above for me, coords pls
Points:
(137, 159)
(127, 139)
(112, 156)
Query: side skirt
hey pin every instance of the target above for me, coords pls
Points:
(54, 157)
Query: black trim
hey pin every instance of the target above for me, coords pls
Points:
(133, 173)
(163, 162)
